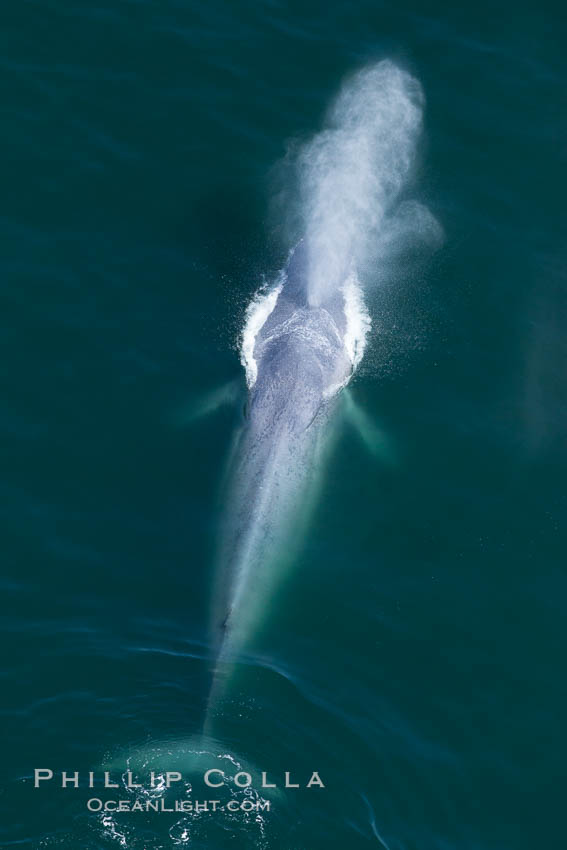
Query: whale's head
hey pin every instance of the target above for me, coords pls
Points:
(297, 355)
(302, 361)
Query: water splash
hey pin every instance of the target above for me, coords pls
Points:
(257, 313)
(358, 322)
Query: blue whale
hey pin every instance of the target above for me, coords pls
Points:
(299, 357)
(303, 339)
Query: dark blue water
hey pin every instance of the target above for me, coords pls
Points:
(415, 654)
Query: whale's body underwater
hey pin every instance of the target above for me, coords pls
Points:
(302, 356)
(304, 338)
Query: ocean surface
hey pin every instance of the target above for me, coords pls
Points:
(415, 654)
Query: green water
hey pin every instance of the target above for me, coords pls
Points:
(414, 656)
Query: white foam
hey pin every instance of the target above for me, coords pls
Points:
(358, 322)
(257, 313)
(357, 327)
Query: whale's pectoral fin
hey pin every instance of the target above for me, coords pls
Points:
(199, 408)
(372, 436)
